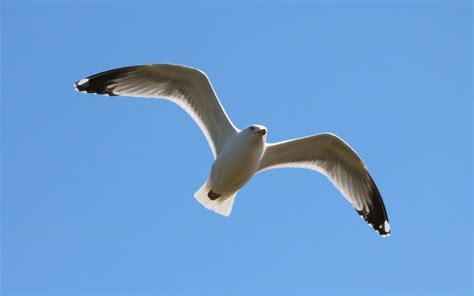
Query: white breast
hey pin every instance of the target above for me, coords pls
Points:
(237, 163)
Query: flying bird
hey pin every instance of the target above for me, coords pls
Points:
(240, 154)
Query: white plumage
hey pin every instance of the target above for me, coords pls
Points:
(239, 154)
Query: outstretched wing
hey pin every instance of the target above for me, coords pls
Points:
(185, 86)
(331, 156)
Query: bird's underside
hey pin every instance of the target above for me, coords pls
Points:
(191, 89)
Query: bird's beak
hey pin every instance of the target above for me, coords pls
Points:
(262, 132)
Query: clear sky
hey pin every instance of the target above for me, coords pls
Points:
(97, 194)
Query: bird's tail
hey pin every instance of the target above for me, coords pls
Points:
(222, 205)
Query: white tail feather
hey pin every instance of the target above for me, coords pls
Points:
(222, 205)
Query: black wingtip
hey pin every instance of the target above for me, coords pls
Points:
(85, 86)
(381, 226)
(102, 83)
(376, 215)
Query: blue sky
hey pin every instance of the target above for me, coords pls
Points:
(97, 193)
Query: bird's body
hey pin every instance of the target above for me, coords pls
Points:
(238, 161)
(240, 154)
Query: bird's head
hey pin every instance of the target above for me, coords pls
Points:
(257, 131)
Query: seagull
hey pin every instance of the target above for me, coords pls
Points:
(240, 154)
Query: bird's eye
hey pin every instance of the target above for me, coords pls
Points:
(252, 128)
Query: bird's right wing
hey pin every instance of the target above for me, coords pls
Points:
(331, 156)
(185, 86)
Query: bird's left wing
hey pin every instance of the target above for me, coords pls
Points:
(331, 156)
(185, 86)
